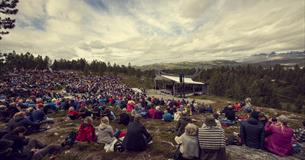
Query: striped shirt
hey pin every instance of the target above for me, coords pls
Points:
(211, 138)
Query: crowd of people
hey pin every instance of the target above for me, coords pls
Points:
(28, 97)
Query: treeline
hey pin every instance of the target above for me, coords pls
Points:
(273, 86)
(9, 61)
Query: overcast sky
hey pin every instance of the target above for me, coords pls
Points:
(153, 31)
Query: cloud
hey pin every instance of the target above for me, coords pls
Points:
(144, 32)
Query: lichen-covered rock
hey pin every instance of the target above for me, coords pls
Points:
(242, 153)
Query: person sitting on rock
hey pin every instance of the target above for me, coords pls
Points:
(86, 131)
(137, 138)
(211, 140)
(252, 132)
(188, 141)
(280, 137)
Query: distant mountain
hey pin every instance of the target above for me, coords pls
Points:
(264, 59)
(294, 56)
(188, 65)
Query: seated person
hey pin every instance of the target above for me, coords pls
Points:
(168, 117)
(86, 131)
(183, 121)
(72, 114)
(20, 120)
(252, 132)
(177, 115)
(237, 106)
(39, 115)
(24, 148)
(189, 148)
(229, 113)
(212, 140)
(152, 112)
(209, 109)
(12, 110)
(137, 138)
(105, 135)
(216, 118)
(280, 137)
(159, 113)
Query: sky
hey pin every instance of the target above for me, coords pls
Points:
(156, 31)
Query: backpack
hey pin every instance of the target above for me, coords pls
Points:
(118, 146)
(70, 139)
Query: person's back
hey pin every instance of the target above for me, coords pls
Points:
(38, 115)
(152, 112)
(211, 140)
(137, 137)
(167, 117)
(230, 114)
(183, 121)
(280, 137)
(189, 147)
(21, 121)
(252, 133)
(158, 114)
(105, 132)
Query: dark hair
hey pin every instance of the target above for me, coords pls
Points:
(255, 115)
(304, 123)
(216, 115)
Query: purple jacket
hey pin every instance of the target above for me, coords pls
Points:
(280, 140)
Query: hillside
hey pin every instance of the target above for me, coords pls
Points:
(161, 149)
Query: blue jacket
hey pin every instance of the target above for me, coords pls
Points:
(168, 117)
(38, 115)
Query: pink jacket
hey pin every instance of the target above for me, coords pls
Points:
(129, 107)
(279, 140)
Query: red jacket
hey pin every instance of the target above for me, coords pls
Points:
(152, 113)
(86, 133)
(73, 113)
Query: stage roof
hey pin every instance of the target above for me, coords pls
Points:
(177, 79)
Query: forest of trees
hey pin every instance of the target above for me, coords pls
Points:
(272, 86)
(9, 61)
